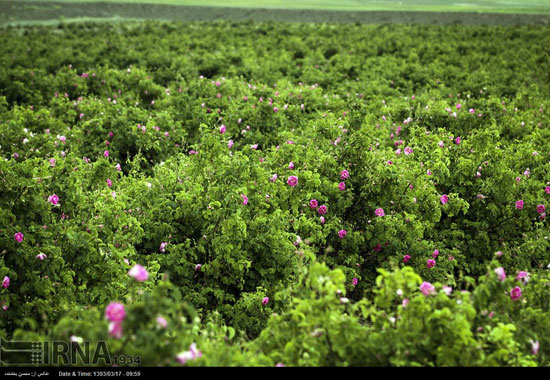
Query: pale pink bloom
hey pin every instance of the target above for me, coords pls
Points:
(547, 189)
(192, 354)
(408, 151)
(265, 301)
(109, 182)
(519, 204)
(292, 181)
(106, 154)
(254, 147)
(344, 174)
(291, 165)
(342, 234)
(161, 322)
(405, 302)
(275, 109)
(162, 247)
(398, 152)
(198, 267)
(535, 346)
(426, 288)
(518, 179)
(245, 199)
(444, 199)
(115, 312)
(500, 273)
(441, 144)
(498, 253)
(515, 293)
(62, 138)
(322, 219)
(18, 237)
(448, 290)
(280, 364)
(436, 253)
(541, 209)
(430, 263)
(273, 178)
(379, 212)
(523, 276)
(222, 129)
(53, 199)
(41, 256)
(342, 186)
(230, 144)
(313, 203)
(138, 273)
(115, 330)
(406, 258)
(6, 282)
(52, 161)
(322, 210)
(471, 110)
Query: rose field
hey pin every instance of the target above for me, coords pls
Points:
(277, 194)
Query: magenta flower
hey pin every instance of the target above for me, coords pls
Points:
(53, 199)
(138, 273)
(541, 209)
(515, 294)
(273, 178)
(106, 154)
(342, 234)
(41, 256)
(344, 174)
(292, 181)
(408, 151)
(426, 288)
(52, 162)
(115, 330)
(109, 182)
(222, 129)
(379, 212)
(457, 140)
(265, 301)
(18, 237)
(245, 199)
(342, 186)
(6, 282)
(444, 199)
(115, 312)
(291, 165)
(198, 267)
(430, 263)
(192, 354)
(162, 247)
(230, 144)
(436, 253)
(355, 281)
(500, 273)
(547, 189)
(406, 258)
(519, 204)
(405, 302)
(322, 210)
(313, 203)
(441, 144)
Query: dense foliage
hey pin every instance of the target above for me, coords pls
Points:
(292, 194)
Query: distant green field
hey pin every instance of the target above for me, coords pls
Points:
(492, 6)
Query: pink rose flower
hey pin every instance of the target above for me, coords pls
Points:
(273, 178)
(523, 276)
(18, 237)
(541, 209)
(313, 203)
(500, 273)
(457, 140)
(406, 258)
(291, 165)
(52, 162)
(53, 199)
(192, 354)
(379, 212)
(515, 293)
(41, 256)
(265, 301)
(430, 263)
(444, 199)
(162, 247)
(342, 234)
(115, 330)
(519, 204)
(342, 186)
(138, 273)
(115, 312)
(106, 154)
(222, 129)
(426, 288)
(344, 174)
(322, 210)
(6, 282)
(245, 199)
(161, 322)
(292, 181)
(322, 219)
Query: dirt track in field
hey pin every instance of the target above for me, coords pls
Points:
(14, 11)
